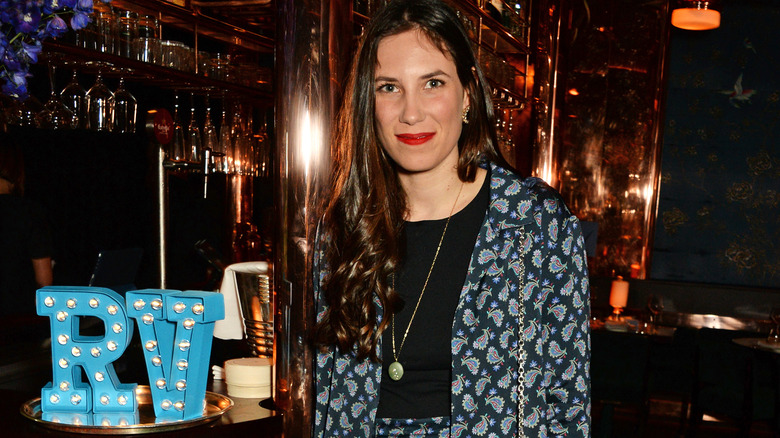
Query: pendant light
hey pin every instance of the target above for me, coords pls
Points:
(696, 15)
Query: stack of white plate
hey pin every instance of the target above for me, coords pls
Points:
(249, 377)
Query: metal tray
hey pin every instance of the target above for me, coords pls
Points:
(216, 405)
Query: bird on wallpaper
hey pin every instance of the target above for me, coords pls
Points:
(749, 45)
(739, 95)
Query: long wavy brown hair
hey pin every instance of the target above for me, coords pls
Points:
(364, 214)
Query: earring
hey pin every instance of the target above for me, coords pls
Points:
(466, 115)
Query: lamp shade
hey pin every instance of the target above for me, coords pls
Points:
(618, 295)
(696, 15)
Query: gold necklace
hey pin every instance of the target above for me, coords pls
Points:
(396, 370)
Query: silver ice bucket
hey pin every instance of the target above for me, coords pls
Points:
(257, 306)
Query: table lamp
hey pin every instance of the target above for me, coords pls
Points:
(618, 297)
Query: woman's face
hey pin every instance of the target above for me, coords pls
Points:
(419, 103)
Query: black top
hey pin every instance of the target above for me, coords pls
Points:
(24, 235)
(424, 389)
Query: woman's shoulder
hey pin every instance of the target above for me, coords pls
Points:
(535, 193)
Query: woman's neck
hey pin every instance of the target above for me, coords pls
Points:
(432, 197)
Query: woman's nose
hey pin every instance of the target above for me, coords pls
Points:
(412, 111)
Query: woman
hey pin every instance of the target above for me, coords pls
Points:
(25, 239)
(452, 295)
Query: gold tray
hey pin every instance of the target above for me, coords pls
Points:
(216, 405)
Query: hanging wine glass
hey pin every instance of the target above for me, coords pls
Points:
(73, 96)
(211, 139)
(193, 134)
(55, 114)
(178, 143)
(100, 110)
(125, 109)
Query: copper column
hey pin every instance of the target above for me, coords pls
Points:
(313, 42)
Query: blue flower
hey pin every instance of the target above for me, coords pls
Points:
(79, 21)
(30, 52)
(7, 11)
(84, 6)
(50, 6)
(28, 17)
(10, 60)
(16, 86)
(24, 25)
(54, 28)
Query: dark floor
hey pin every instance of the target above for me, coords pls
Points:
(664, 422)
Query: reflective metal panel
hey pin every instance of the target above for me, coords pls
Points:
(313, 38)
(602, 147)
(546, 75)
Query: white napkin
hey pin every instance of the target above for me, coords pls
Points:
(232, 327)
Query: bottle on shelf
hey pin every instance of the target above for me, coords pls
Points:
(211, 139)
(239, 142)
(225, 142)
(495, 8)
(250, 146)
(193, 135)
(176, 152)
(263, 151)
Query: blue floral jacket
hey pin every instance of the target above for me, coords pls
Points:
(520, 337)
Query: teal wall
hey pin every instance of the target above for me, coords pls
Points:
(719, 208)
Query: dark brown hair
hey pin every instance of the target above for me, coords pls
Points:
(365, 211)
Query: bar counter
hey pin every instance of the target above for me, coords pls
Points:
(245, 417)
(25, 366)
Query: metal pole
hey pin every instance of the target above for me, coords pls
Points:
(162, 218)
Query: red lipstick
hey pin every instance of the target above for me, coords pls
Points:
(415, 139)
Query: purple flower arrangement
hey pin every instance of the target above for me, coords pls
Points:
(24, 25)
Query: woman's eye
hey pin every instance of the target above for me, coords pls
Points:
(386, 88)
(434, 83)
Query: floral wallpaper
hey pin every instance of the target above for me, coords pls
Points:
(719, 203)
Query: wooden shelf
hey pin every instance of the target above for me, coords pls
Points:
(92, 61)
(506, 99)
(203, 25)
(494, 34)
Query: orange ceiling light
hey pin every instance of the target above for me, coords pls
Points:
(696, 15)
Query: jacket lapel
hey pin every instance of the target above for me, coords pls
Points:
(488, 319)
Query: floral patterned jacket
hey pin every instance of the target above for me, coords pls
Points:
(520, 337)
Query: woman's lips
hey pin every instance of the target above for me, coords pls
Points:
(415, 139)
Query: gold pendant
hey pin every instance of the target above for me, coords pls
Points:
(396, 371)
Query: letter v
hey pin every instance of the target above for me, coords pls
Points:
(176, 329)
